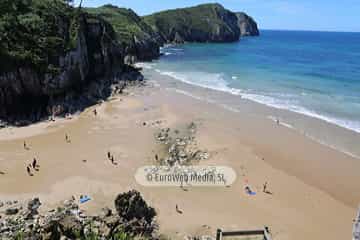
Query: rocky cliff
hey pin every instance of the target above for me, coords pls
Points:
(132, 218)
(54, 59)
(247, 25)
(203, 23)
(140, 42)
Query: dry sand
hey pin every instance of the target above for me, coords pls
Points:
(315, 188)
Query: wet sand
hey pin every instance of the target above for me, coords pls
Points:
(315, 188)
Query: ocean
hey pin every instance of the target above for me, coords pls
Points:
(312, 73)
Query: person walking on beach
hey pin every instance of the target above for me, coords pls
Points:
(265, 187)
(95, 112)
(265, 190)
(67, 138)
(34, 164)
(29, 170)
(178, 210)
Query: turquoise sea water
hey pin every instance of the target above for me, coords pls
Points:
(313, 73)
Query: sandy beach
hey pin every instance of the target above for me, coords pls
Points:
(315, 188)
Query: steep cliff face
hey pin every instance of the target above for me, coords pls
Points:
(56, 59)
(247, 25)
(140, 42)
(203, 23)
(60, 79)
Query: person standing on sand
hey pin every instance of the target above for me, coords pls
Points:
(67, 139)
(265, 190)
(95, 112)
(34, 164)
(29, 170)
(264, 187)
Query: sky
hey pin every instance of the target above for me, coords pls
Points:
(315, 15)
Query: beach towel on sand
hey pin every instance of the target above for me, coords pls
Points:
(84, 199)
(249, 191)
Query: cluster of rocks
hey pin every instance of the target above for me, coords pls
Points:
(133, 217)
(181, 150)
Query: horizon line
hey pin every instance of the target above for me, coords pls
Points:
(307, 30)
(274, 29)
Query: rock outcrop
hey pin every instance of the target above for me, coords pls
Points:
(247, 25)
(56, 59)
(133, 209)
(134, 218)
(80, 72)
(203, 23)
(140, 42)
(181, 147)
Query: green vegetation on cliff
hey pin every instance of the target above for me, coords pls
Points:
(139, 40)
(32, 32)
(126, 23)
(52, 54)
(207, 22)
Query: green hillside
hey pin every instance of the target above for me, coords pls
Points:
(32, 31)
(125, 22)
(207, 22)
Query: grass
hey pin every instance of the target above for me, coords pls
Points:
(126, 23)
(30, 32)
(202, 18)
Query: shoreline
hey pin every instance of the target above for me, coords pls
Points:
(302, 182)
(259, 112)
(326, 132)
(224, 75)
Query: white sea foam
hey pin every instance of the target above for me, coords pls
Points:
(176, 49)
(282, 123)
(209, 100)
(172, 47)
(332, 146)
(216, 81)
(144, 65)
(185, 93)
(272, 118)
(205, 80)
(170, 50)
